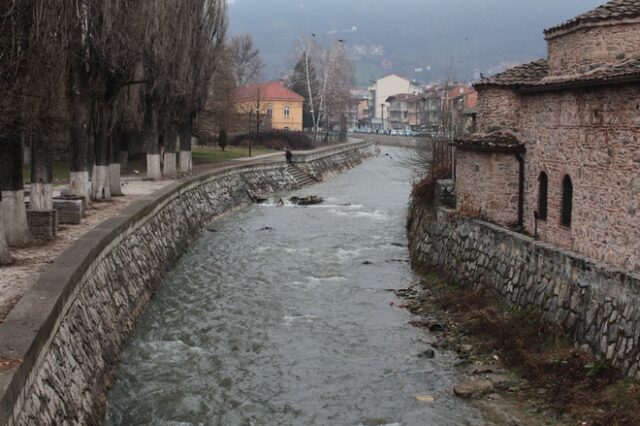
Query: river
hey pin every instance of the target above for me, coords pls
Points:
(279, 319)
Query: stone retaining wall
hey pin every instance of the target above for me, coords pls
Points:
(66, 334)
(597, 305)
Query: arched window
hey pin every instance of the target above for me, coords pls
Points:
(567, 200)
(543, 191)
(270, 111)
(287, 110)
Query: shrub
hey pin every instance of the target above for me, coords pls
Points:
(222, 139)
(275, 139)
(424, 189)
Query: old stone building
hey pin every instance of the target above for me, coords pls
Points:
(557, 152)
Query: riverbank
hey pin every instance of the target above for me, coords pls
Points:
(62, 341)
(546, 373)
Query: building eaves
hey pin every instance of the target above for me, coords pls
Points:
(493, 142)
(604, 74)
(533, 77)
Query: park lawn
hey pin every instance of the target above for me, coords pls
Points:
(208, 155)
(60, 172)
(201, 155)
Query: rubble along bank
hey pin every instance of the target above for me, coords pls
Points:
(552, 377)
(66, 333)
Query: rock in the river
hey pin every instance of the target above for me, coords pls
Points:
(306, 201)
(428, 354)
(436, 327)
(473, 388)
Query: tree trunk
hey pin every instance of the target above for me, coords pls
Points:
(100, 185)
(170, 143)
(14, 213)
(114, 163)
(152, 143)
(124, 150)
(5, 254)
(186, 131)
(79, 100)
(41, 197)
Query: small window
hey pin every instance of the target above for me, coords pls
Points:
(270, 111)
(543, 192)
(567, 200)
(286, 112)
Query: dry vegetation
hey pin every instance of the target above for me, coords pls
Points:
(566, 380)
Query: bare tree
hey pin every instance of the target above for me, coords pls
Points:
(245, 60)
(335, 74)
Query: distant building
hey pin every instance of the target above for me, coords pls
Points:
(405, 111)
(281, 107)
(379, 91)
(557, 152)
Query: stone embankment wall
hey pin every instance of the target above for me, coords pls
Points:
(64, 338)
(394, 141)
(596, 304)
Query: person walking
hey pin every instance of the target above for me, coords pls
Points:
(288, 155)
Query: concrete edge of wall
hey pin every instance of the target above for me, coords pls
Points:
(33, 322)
(594, 302)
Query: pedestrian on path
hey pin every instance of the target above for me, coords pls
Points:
(288, 155)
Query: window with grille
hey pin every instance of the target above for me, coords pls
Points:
(567, 200)
(543, 192)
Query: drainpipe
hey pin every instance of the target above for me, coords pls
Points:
(520, 192)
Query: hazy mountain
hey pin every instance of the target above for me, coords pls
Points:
(404, 35)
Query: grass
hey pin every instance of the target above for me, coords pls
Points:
(201, 155)
(209, 155)
(60, 172)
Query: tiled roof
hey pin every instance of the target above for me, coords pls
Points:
(492, 142)
(523, 74)
(534, 76)
(612, 11)
(603, 74)
(271, 90)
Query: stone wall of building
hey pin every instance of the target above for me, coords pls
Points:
(487, 186)
(64, 338)
(593, 136)
(597, 305)
(498, 109)
(583, 50)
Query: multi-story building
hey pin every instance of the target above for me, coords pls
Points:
(379, 91)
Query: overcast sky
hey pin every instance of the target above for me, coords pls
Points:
(419, 37)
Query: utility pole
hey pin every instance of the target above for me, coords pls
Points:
(257, 122)
(382, 111)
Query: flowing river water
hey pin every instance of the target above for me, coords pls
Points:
(275, 319)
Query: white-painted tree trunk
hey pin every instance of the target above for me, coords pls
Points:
(80, 185)
(154, 171)
(186, 164)
(100, 189)
(41, 197)
(14, 216)
(5, 254)
(170, 169)
(114, 179)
